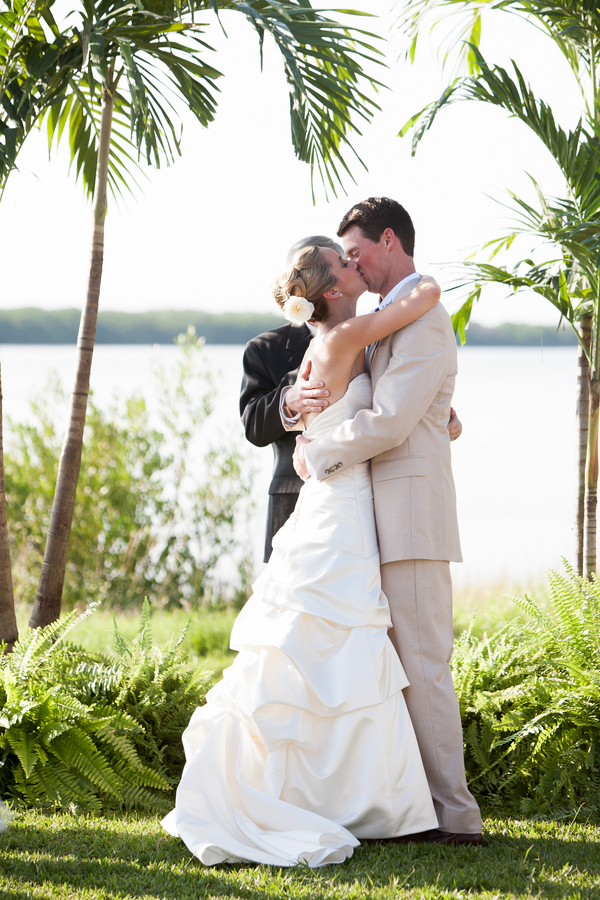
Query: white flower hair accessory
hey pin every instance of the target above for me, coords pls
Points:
(297, 309)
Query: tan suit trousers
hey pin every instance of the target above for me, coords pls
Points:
(420, 597)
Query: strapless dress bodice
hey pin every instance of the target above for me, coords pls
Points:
(358, 395)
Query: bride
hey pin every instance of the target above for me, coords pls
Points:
(306, 744)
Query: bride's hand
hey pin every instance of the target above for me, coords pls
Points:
(305, 396)
(299, 461)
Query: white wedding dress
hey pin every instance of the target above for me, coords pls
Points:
(306, 744)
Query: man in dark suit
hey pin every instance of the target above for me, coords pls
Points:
(271, 363)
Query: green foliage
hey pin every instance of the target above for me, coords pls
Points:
(90, 730)
(149, 519)
(206, 640)
(530, 703)
(569, 281)
(35, 65)
(572, 24)
(153, 58)
(567, 226)
(153, 53)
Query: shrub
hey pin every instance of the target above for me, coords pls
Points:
(151, 519)
(92, 730)
(530, 703)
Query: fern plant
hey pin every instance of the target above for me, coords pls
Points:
(530, 703)
(92, 730)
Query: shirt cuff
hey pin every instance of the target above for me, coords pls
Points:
(311, 470)
(290, 423)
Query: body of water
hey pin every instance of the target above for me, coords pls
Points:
(514, 465)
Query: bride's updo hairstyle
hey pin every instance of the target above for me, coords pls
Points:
(310, 276)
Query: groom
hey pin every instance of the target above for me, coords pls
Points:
(405, 437)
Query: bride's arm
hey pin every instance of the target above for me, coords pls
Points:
(361, 331)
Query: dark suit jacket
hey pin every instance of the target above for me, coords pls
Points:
(271, 362)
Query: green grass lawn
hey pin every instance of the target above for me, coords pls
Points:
(70, 857)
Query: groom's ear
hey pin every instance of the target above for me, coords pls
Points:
(388, 238)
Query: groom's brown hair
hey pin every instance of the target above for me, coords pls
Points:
(376, 214)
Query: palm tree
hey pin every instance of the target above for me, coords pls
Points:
(136, 58)
(561, 282)
(34, 73)
(8, 621)
(574, 25)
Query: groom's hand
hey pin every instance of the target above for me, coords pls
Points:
(454, 426)
(306, 396)
(299, 461)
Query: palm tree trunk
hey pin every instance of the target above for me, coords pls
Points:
(48, 598)
(583, 399)
(8, 620)
(591, 480)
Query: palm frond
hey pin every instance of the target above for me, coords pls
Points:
(324, 69)
(569, 23)
(78, 116)
(33, 73)
(574, 151)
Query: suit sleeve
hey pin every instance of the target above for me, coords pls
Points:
(414, 375)
(259, 399)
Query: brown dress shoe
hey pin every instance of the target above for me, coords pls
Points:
(473, 840)
(433, 836)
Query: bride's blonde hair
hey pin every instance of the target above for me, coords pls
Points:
(310, 276)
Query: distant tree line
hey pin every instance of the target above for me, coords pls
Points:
(39, 326)
(513, 334)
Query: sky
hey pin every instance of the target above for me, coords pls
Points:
(211, 231)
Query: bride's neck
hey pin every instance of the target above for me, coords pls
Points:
(339, 311)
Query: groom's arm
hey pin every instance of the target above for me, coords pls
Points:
(417, 368)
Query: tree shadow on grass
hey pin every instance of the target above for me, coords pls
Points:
(103, 858)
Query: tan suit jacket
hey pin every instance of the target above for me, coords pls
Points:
(406, 438)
